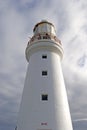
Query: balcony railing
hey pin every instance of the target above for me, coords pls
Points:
(44, 36)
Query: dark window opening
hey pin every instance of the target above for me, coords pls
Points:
(44, 97)
(44, 56)
(44, 73)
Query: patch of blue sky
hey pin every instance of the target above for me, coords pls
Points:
(82, 60)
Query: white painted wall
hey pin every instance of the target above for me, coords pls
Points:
(34, 111)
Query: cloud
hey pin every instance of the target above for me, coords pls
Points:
(75, 48)
(82, 61)
(17, 19)
(80, 124)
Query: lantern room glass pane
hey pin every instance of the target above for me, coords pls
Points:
(53, 30)
(36, 30)
(48, 28)
(44, 27)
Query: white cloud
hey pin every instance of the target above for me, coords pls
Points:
(17, 21)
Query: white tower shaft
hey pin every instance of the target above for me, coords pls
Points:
(44, 103)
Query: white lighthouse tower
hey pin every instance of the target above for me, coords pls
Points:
(44, 103)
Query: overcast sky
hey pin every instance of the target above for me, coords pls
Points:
(17, 19)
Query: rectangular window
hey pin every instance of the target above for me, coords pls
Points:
(44, 73)
(44, 56)
(44, 97)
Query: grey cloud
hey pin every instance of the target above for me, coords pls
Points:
(80, 125)
(16, 25)
(82, 61)
(76, 88)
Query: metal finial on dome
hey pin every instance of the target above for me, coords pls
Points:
(44, 20)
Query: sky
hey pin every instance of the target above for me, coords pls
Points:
(17, 20)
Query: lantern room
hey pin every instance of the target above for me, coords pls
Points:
(44, 27)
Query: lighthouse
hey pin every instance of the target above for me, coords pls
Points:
(44, 104)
